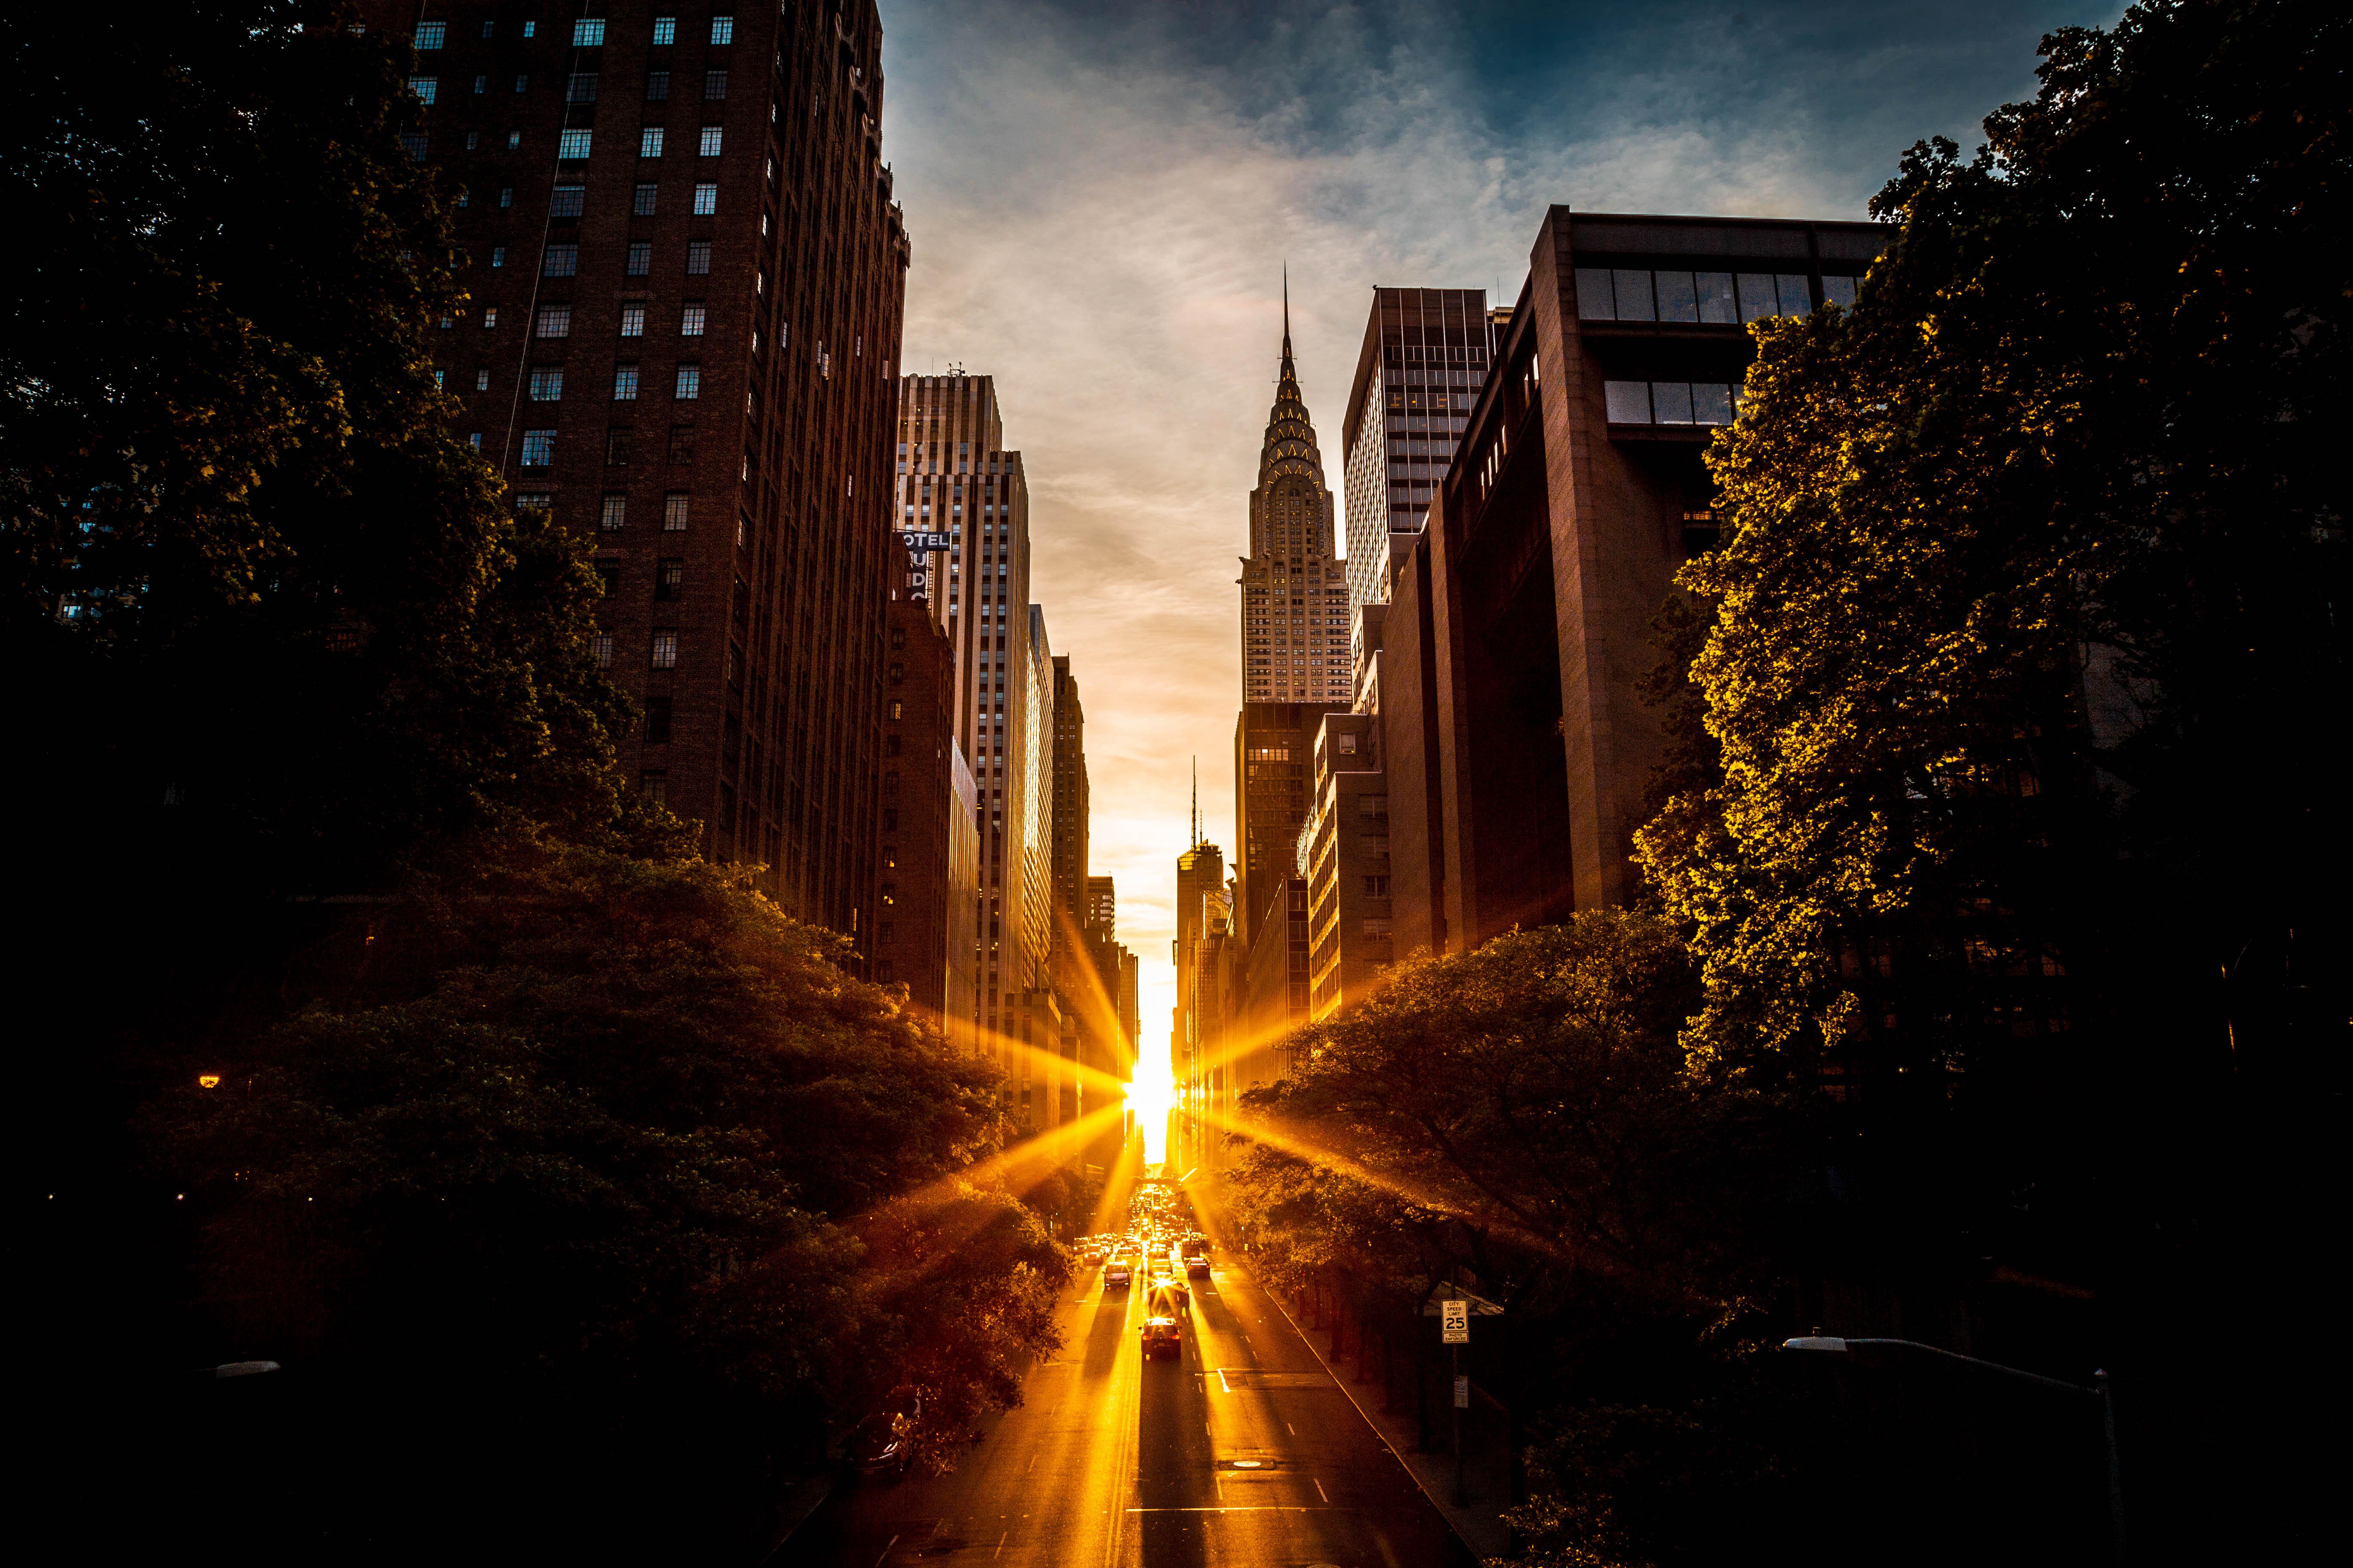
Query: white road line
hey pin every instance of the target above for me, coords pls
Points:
(1322, 1493)
(1001, 1547)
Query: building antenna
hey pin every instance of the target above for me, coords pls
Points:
(1196, 802)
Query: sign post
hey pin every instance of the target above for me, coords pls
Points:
(1454, 1312)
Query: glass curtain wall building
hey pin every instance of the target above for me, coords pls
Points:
(1424, 353)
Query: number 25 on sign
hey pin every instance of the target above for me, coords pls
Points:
(1454, 1323)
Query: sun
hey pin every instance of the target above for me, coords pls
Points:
(1150, 1095)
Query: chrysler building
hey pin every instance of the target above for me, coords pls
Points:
(1294, 594)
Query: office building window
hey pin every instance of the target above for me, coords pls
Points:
(670, 579)
(538, 448)
(617, 448)
(690, 382)
(665, 650)
(715, 85)
(642, 204)
(633, 321)
(682, 445)
(625, 384)
(712, 138)
(674, 512)
(640, 260)
(567, 201)
(588, 33)
(425, 88)
(561, 261)
(690, 321)
(430, 34)
(614, 512)
(650, 141)
(657, 87)
(654, 785)
(574, 145)
(482, 380)
(706, 198)
(1839, 292)
(697, 257)
(554, 322)
(580, 87)
(546, 382)
(1629, 402)
(600, 648)
(723, 29)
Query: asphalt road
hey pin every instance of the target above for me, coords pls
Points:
(1244, 1452)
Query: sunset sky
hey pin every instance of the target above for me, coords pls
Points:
(1102, 199)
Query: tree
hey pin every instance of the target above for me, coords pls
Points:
(1524, 1111)
(2024, 848)
(268, 604)
(623, 1139)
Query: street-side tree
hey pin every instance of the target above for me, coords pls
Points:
(628, 1143)
(1524, 1111)
(268, 610)
(2025, 602)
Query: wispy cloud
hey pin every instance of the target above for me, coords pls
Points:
(1101, 200)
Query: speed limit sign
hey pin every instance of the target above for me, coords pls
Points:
(1454, 1323)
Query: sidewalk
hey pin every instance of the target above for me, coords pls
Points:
(1486, 1469)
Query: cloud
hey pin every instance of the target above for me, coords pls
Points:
(1101, 201)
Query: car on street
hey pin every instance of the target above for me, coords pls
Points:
(1162, 1337)
(1117, 1275)
(875, 1447)
(1196, 1266)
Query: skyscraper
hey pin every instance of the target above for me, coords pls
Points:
(1296, 660)
(958, 484)
(1072, 883)
(684, 285)
(1294, 599)
(1424, 353)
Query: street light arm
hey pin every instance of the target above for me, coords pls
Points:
(1836, 1346)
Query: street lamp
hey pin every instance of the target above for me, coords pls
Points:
(1831, 1344)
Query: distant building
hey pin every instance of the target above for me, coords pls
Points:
(1424, 353)
(958, 487)
(1518, 738)
(1344, 852)
(929, 861)
(1204, 955)
(1273, 791)
(679, 338)
(1294, 599)
(1071, 802)
(1102, 903)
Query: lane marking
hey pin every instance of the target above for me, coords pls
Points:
(1246, 1507)
(886, 1551)
(1001, 1547)
(1322, 1493)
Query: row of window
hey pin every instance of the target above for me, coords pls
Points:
(580, 87)
(1671, 402)
(663, 651)
(571, 201)
(546, 382)
(1718, 299)
(561, 259)
(587, 33)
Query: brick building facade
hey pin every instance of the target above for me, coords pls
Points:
(685, 277)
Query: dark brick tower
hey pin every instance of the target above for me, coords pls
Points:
(686, 276)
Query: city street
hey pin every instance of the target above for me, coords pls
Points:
(1245, 1451)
